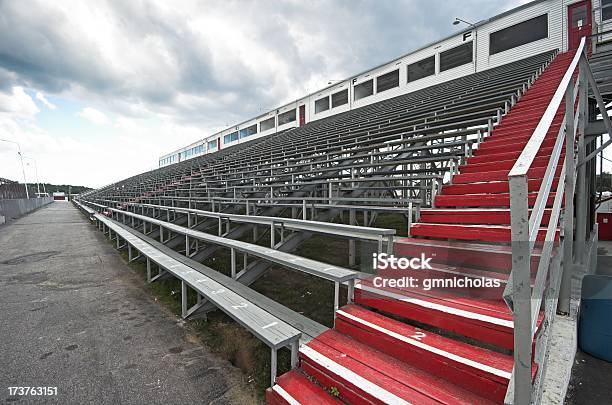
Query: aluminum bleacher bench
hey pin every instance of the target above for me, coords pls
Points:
(379, 235)
(90, 212)
(309, 328)
(408, 207)
(271, 330)
(326, 271)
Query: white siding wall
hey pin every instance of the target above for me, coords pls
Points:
(555, 38)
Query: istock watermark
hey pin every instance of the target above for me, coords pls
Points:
(417, 273)
(429, 283)
(384, 261)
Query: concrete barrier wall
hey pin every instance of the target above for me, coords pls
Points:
(13, 209)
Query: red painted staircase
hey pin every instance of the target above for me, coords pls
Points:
(407, 344)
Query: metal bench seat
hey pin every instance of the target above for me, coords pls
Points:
(271, 330)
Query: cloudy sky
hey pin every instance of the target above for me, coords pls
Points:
(97, 91)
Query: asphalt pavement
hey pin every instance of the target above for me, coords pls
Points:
(592, 377)
(74, 316)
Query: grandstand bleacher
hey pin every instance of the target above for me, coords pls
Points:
(393, 155)
(445, 159)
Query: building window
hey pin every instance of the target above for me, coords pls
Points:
(387, 81)
(212, 144)
(252, 130)
(421, 69)
(339, 98)
(286, 117)
(321, 104)
(518, 34)
(606, 10)
(230, 137)
(364, 89)
(266, 124)
(457, 56)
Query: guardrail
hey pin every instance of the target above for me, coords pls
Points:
(525, 301)
(11, 209)
(602, 33)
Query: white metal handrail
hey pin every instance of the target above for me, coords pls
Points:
(535, 219)
(524, 301)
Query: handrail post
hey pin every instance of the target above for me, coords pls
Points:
(273, 366)
(233, 262)
(563, 306)
(433, 193)
(409, 224)
(336, 299)
(521, 288)
(581, 191)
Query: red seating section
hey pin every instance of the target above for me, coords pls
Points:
(444, 345)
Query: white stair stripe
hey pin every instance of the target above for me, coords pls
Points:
(352, 377)
(286, 396)
(432, 349)
(438, 307)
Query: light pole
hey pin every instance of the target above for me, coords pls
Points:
(473, 26)
(461, 20)
(36, 172)
(25, 183)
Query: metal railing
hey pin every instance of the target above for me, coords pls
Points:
(602, 32)
(524, 300)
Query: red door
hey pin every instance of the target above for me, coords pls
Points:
(578, 22)
(302, 115)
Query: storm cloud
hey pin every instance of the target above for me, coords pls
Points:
(200, 59)
(200, 65)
